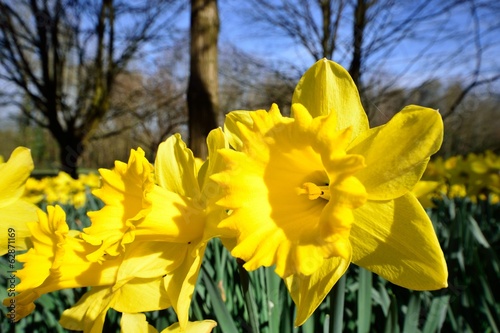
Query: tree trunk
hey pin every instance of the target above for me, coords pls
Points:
(203, 88)
(70, 151)
(358, 34)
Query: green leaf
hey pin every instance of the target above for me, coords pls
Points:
(478, 234)
(490, 317)
(249, 300)
(412, 314)
(224, 319)
(437, 314)
(364, 300)
(391, 324)
(276, 304)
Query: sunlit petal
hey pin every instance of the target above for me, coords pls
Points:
(397, 153)
(205, 326)
(231, 129)
(180, 285)
(124, 193)
(14, 219)
(309, 291)
(175, 167)
(14, 173)
(396, 240)
(327, 88)
(135, 323)
(89, 313)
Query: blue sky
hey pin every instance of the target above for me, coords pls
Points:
(452, 55)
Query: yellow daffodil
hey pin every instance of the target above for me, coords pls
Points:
(172, 203)
(205, 326)
(15, 212)
(141, 285)
(55, 262)
(136, 323)
(137, 295)
(133, 281)
(313, 193)
(475, 176)
(61, 189)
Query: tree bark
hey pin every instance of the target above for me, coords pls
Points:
(203, 88)
(70, 150)
(358, 34)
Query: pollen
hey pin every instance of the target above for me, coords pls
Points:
(314, 191)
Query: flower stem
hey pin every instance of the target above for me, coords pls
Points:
(249, 301)
(337, 296)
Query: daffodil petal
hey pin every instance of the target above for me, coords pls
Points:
(308, 292)
(231, 129)
(135, 323)
(24, 304)
(424, 191)
(149, 259)
(140, 295)
(89, 313)
(172, 218)
(424, 187)
(327, 88)
(180, 284)
(175, 167)
(215, 140)
(49, 237)
(124, 192)
(14, 173)
(396, 154)
(396, 240)
(205, 326)
(16, 216)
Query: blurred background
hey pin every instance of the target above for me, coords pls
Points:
(83, 82)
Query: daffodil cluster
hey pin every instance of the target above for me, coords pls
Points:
(476, 176)
(61, 189)
(308, 195)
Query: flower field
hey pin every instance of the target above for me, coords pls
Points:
(309, 223)
(468, 228)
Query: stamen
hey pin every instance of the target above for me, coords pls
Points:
(314, 191)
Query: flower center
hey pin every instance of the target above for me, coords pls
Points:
(314, 191)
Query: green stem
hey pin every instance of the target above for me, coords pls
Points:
(337, 296)
(249, 302)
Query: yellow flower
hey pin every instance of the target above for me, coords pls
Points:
(205, 326)
(287, 186)
(58, 261)
(55, 262)
(61, 189)
(312, 193)
(95, 304)
(14, 211)
(172, 203)
(474, 176)
(136, 322)
(34, 190)
(135, 296)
